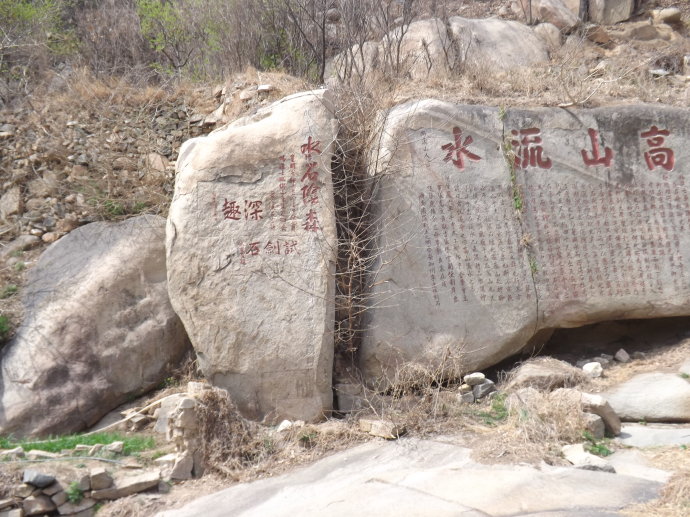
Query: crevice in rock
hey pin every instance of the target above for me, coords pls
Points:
(519, 205)
(640, 338)
(353, 190)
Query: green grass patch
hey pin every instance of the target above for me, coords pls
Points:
(133, 444)
(74, 493)
(8, 290)
(4, 328)
(498, 412)
(595, 446)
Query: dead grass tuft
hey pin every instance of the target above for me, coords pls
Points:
(7, 482)
(534, 430)
(560, 375)
(674, 500)
(229, 442)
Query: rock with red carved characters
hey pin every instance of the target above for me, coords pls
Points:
(251, 248)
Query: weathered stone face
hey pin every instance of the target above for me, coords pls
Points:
(251, 253)
(98, 329)
(583, 216)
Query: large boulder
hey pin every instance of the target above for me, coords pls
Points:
(99, 329)
(495, 224)
(608, 12)
(428, 48)
(251, 256)
(498, 44)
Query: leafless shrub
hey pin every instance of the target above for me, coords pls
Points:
(111, 39)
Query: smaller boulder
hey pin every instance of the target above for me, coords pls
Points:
(582, 459)
(595, 426)
(652, 397)
(598, 405)
(381, 428)
(668, 15)
(75, 509)
(555, 12)
(128, 485)
(100, 479)
(593, 370)
(549, 34)
(545, 373)
(37, 505)
(10, 203)
(465, 398)
(482, 390)
(474, 379)
(37, 479)
(622, 356)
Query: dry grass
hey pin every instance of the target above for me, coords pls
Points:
(241, 450)
(534, 431)
(229, 442)
(7, 481)
(663, 358)
(674, 501)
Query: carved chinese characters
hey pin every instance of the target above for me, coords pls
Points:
(607, 224)
(493, 228)
(452, 278)
(251, 253)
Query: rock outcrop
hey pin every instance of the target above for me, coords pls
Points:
(99, 329)
(495, 224)
(428, 48)
(251, 246)
(424, 477)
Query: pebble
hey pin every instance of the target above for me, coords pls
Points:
(593, 370)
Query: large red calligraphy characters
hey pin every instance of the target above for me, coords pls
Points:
(231, 210)
(528, 150)
(312, 146)
(596, 158)
(459, 149)
(658, 156)
(252, 210)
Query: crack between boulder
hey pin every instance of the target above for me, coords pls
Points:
(429, 494)
(518, 204)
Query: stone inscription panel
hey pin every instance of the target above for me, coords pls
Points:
(499, 224)
(606, 209)
(453, 277)
(251, 246)
(610, 241)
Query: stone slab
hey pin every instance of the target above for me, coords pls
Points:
(424, 477)
(495, 224)
(654, 435)
(633, 463)
(251, 246)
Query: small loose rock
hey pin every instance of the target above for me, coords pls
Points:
(593, 370)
